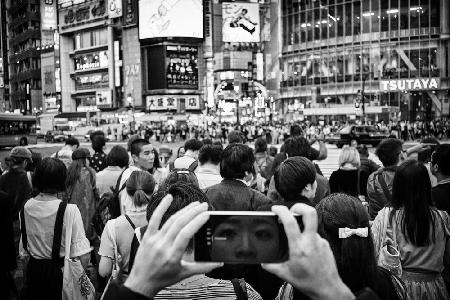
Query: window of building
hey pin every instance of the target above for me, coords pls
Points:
(376, 16)
(384, 15)
(367, 16)
(424, 13)
(394, 15)
(434, 13)
(340, 20)
(357, 18)
(317, 24)
(404, 13)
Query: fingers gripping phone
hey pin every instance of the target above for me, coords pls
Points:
(242, 237)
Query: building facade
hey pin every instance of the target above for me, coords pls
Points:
(390, 56)
(89, 55)
(4, 72)
(24, 42)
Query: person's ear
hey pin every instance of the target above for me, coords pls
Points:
(135, 157)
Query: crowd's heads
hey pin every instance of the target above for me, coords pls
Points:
(237, 161)
(273, 151)
(117, 157)
(260, 145)
(183, 194)
(297, 146)
(132, 138)
(50, 176)
(180, 152)
(140, 186)
(389, 152)
(19, 156)
(210, 154)
(351, 252)
(81, 153)
(296, 130)
(236, 137)
(98, 140)
(411, 190)
(296, 177)
(72, 142)
(193, 145)
(142, 153)
(425, 155)
(349, 155)
(179, 175)
(36, 158)
(440, 160)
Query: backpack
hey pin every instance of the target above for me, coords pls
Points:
(108, 207)
(191, 168)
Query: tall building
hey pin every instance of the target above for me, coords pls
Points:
(24, 41)
(172, 59)
(388, 57)
(4, 74)
(89, 50)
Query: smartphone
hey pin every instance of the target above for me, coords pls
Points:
(242, 237)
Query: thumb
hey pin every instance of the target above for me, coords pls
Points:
(276, 269)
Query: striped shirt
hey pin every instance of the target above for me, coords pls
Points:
(202, 287)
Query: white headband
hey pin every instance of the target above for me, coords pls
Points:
(347, 232)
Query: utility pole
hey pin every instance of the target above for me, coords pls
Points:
(363, 100)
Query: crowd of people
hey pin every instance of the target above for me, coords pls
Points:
(128, 218)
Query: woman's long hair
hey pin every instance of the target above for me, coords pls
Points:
(74, 172)
(140, 186)
(355, 255)
(411, 192)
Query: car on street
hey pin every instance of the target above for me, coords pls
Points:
(55, 136)
(363, 134)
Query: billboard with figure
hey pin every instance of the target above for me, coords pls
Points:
(170, 18)
(240, 22)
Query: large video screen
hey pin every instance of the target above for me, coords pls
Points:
(170, 18)
(240, 22)
(182, 67)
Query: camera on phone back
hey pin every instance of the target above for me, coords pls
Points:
(242, 237)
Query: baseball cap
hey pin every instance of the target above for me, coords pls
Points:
(21, 152)
(81, 153)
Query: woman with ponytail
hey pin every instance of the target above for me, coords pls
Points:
(118, 233)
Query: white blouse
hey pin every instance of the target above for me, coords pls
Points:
(40, 217)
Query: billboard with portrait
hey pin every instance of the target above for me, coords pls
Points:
(170, 18)
(240, 22)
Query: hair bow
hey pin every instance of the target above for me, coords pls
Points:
(347, 232)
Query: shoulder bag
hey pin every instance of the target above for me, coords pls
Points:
(389, 255)
(76, 284)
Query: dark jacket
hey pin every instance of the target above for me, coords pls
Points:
(234, 195)
(16, 184)
(441, 196)
(8, 249)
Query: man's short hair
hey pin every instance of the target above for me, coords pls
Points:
(260, 145)
(193, 145)
(388, 151)
(50, 176)
(98, 140)
(236, 160)
(441, 157)
(292, 176)
(136, 146)
(117, 157)
(72, 141)
(297, 146)
(236, 137)
(210, 153)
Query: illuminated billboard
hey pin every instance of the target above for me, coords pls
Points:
(182, 68)
(240, 22)
(170, 18)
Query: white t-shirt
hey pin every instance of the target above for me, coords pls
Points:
(40, 217)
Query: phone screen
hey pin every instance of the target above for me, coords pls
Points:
(241, 237)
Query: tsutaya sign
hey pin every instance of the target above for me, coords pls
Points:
(417, 84)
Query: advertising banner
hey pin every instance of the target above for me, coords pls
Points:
(182, 67)
(91, 61)
(130, 13)
(193, 102)
(103, 98)
(164, 102)
(208, 46)
(170, 18)
(114, 9)
(240, 22)
(48, 15)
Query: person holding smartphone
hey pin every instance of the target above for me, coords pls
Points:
(311, 267)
